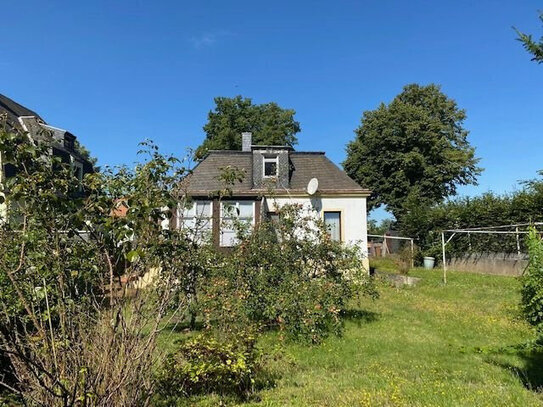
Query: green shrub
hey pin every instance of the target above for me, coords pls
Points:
(404, 259)
(532, 287)
(289, 275)
(206, 364)
(424, 222)
(71, 331)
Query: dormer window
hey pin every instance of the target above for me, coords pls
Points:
(69, 142)
(271, 166)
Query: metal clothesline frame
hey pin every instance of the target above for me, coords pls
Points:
(483, 230)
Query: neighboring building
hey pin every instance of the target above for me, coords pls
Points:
(274, 176)
(17, 117)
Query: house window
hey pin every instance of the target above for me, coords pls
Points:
(9, 170)
(197, 219)
(270, 166)
(78, 170)
(332, 220)
(236, 217)
(273, 217)
(64, 156)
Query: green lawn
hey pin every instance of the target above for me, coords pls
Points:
(430, 345)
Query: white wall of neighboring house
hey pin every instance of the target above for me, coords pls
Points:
(354, 225)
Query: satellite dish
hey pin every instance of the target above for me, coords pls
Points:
(312, 186)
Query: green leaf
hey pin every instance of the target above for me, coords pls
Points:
(133, 256)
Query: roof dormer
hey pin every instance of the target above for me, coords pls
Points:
(271, 166)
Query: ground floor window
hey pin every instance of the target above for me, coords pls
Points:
(236, 217)
(273, 217)
(332, 220)
(198, 219)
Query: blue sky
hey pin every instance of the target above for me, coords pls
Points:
(116, 72)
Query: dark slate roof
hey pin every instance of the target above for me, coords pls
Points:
(14, 110)
(205, 175)
(304, 166)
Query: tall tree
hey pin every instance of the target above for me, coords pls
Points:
(269, 123)
(414, 149)
(534, 48)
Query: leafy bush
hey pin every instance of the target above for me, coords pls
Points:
(205, 364)
(424, 222)
(404, 259)
(287, 274)
(75, 332)
(532, 282)
(71, 331)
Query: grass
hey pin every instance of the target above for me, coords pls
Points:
(429, 345)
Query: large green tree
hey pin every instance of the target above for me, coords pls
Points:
(414, 149)
(269, 123)
(533, 47)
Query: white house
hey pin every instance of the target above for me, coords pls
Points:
(338, 199)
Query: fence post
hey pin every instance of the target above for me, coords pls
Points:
(412, 254)
(518, 242)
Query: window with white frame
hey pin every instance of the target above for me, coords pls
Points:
(332, 220)
(271, 166)
(198, 219)
(236, 217)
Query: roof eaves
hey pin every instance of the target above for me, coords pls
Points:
(285, 192)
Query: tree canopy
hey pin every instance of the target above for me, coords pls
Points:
(269, 123)
(415, 148)
(533, 47)
(85, 153)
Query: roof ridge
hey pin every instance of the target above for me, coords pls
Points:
(309, 152)
(16, 108)
(248, 152)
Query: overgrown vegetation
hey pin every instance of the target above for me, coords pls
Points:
(425, 222)
(72, 331)
(532, 288)
(91, 273)
(287, 274)
(431, 345)
(226, 366)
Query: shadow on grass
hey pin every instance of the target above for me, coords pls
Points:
(359, 316)
(531, 373)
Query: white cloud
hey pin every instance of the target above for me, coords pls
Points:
(207, 39)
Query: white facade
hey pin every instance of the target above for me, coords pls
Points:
(352, 211)
(349, 220)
